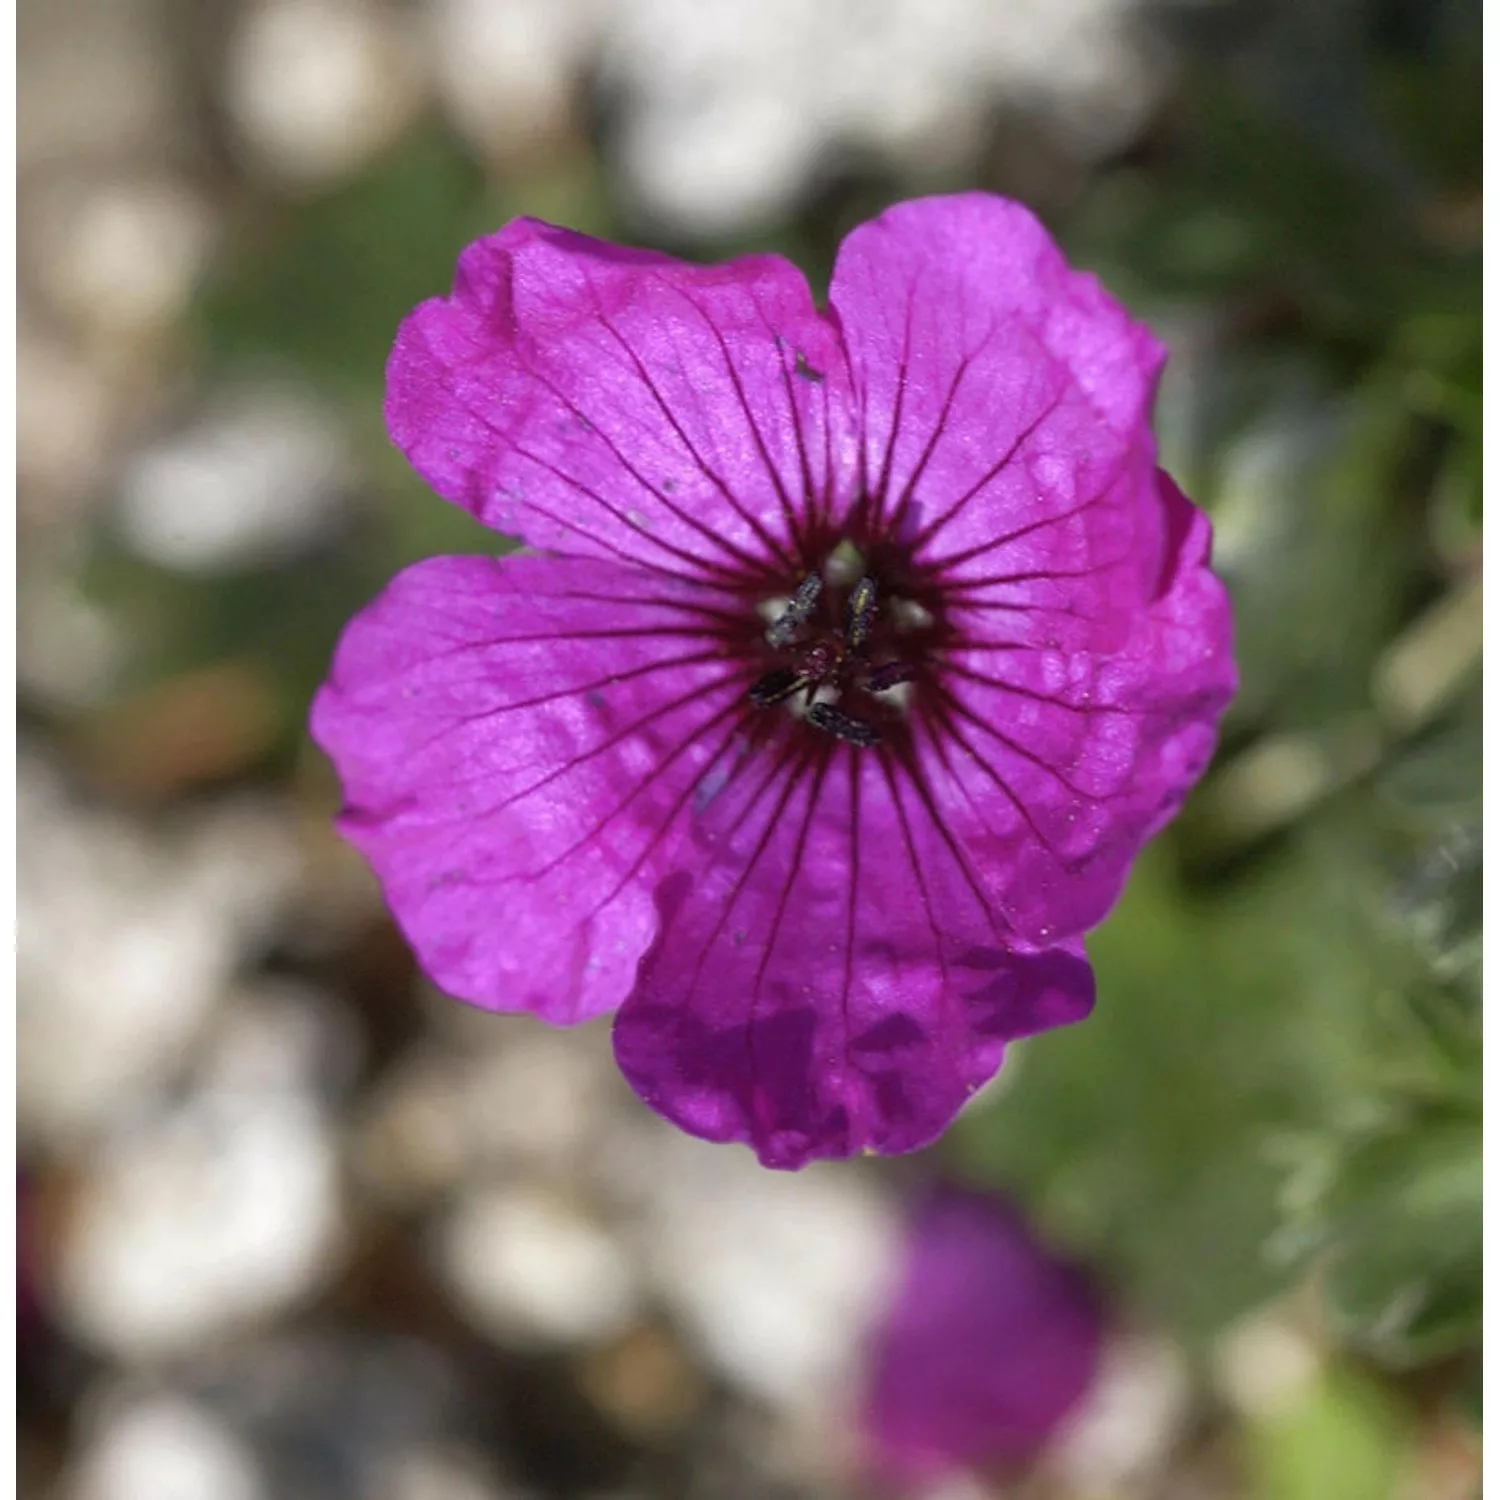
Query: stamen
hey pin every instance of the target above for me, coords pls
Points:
(892, 674)
(777, 686)
(795, 615)
(860, 614)
(841, 726)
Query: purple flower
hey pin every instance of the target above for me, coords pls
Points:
(860, 653)
(988, 1344)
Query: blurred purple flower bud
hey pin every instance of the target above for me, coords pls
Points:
(989, 1342)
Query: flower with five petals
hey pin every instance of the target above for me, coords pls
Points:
(858, 652)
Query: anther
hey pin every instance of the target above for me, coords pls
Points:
(860, 614)
(892, 674)
(797, 612)
(841, 726)
(777, 686)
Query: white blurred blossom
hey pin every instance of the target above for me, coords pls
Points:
(522, 1100)
(120, 254)
(442, 1472)
(66, 410)
(257, 475)
(730, 107)
(209, 1213)
(125, 942)
(1121, 1435)
(160, 1445)
(776, 1274)
(1265, 1365)
(316, 87)
(724, 111)
(535, 1269)
(509, 72)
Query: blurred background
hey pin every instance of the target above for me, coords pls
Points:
(292, 1224)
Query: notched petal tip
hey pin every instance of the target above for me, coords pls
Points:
(614, 402)
(952, 266)
(800, 1065)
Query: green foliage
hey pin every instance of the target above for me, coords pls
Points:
(1154, 1135)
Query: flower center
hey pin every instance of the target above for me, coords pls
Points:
(830, 651)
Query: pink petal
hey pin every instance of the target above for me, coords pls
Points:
(1006, 404)
(1000, 393)
(619, 404)
(831, 981)
(517, 741)
(1056, 766)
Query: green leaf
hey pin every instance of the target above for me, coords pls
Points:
(1404, 1227)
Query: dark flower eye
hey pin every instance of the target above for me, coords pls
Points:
(855, 658)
